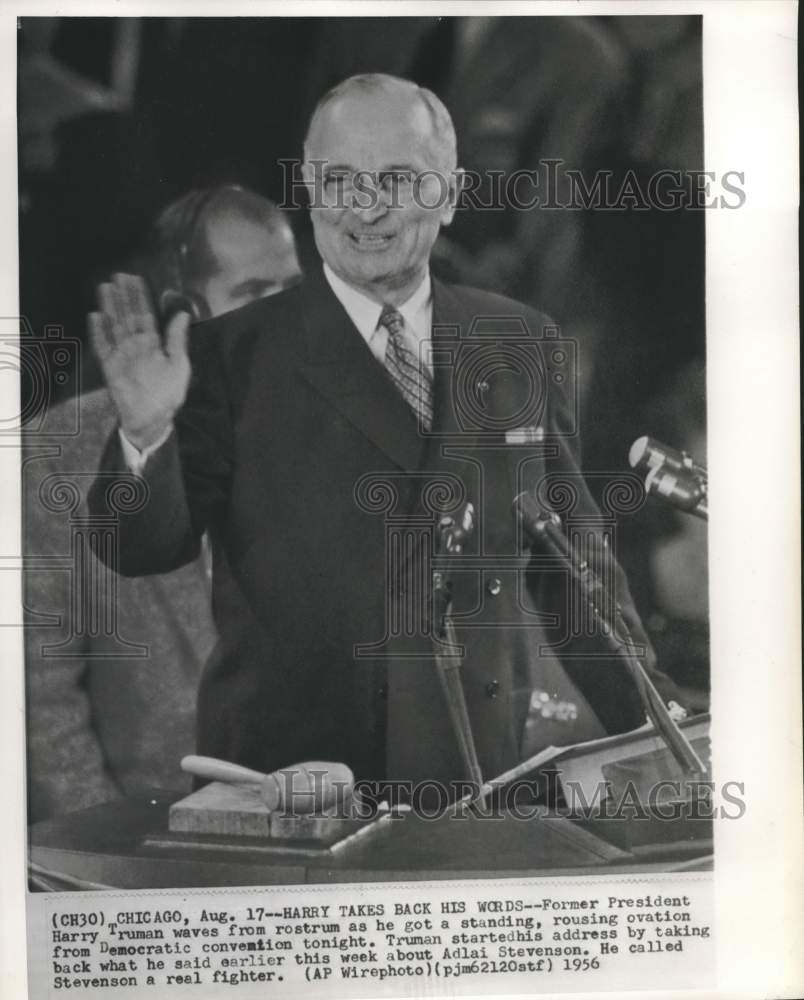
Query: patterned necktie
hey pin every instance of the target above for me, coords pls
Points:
(408, 372)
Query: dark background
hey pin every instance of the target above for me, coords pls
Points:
(118, 116)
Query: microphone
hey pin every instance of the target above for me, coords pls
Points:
(545, 526)
(453, 534)
(672, 475)
(648, 453)
(541, 524)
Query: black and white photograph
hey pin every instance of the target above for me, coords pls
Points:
(368, 374)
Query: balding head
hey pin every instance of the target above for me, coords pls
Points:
(434, 119)
(219, 248)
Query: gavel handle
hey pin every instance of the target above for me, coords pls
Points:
(220, 770)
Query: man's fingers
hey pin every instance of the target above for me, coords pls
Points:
(135, 303)
(126, 303)
(100, 334)
(109, 304)
(135, 295)
(176, 335)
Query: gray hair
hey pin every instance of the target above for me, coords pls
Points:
(443, 131)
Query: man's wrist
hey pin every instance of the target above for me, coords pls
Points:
(136, 457)
(148, 437)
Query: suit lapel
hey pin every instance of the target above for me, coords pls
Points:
(450, 441)
(451, 322)
(339, 365)
(504, 469)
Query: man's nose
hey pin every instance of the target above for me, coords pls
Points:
(369, 200)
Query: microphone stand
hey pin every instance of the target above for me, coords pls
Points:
(445, 646)
(546, 527)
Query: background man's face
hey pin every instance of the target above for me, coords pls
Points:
(375, 229)
(252, 261)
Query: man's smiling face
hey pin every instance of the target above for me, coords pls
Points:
(380, 190)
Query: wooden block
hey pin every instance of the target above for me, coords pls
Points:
(238, 810)
(219, 808)
(324, 828)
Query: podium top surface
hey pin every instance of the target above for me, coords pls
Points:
(123, 845)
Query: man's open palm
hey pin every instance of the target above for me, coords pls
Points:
(147, 378)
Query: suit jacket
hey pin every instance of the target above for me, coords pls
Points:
(107, 715)
(299, 456)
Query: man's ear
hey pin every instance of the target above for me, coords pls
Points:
(455, 184)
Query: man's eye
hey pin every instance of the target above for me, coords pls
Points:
(396, 178)
(335, 182)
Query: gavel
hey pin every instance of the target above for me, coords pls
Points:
(307, 788)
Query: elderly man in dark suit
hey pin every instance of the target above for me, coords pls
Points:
(318, 441)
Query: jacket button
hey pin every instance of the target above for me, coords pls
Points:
(492, 689)
(382, 692)
(494, 586)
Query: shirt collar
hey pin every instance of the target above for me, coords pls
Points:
(365, 312)
(412, 308)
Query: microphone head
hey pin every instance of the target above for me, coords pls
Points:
(453, 534)
(648, 453)
(533, 518)
(637, 451)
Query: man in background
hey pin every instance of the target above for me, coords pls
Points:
(113, 715)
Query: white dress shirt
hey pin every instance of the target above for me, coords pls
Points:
(417, 312)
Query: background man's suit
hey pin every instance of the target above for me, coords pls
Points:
(286, 414)
(100, 727)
